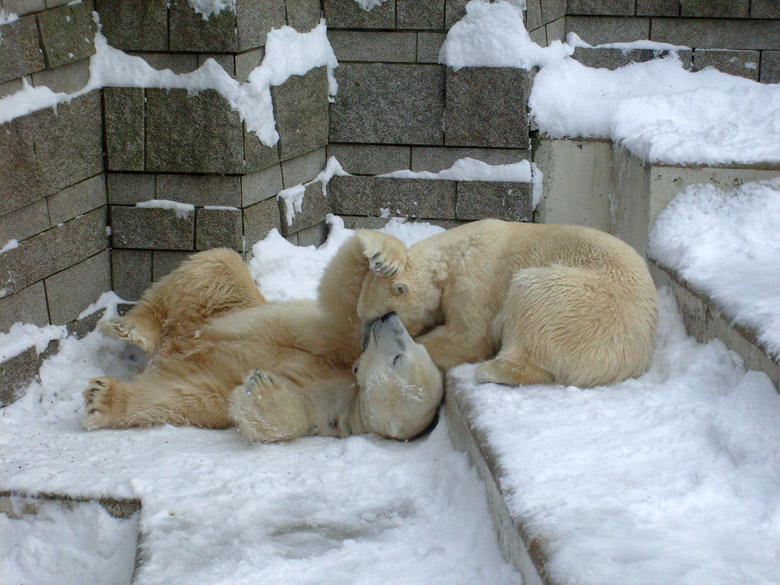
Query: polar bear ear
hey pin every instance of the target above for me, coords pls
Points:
(400, 288)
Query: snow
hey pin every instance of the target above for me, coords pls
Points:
(108, 302)
(24, 335)
(182, 210)
(726, 244)
(293, 196)
(209, 8)
(9, 245)
(673, 477)
(369, 5)
(219, 510)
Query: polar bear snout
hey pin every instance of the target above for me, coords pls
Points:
(388, 325)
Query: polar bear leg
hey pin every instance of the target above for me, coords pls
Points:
(513, 371)
(386, 254)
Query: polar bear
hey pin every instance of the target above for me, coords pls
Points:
(220, 355)
(535, 303)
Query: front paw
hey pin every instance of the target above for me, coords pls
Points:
(386, 255)
(103, 404)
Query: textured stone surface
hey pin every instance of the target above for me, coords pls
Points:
(454, 10)
(427, 15)
(155, 228)
(27, 305)
(190, 32)
(67, 33)
(258, 155)
(179, 63)
(17, 372)
(349, 14)
(198, 133)
(417, 198)
(742, 63)
(131, 273)
(553, 10)
(71, 291)
(247, 62)
(303, 15)
(24, 222)
(77, 199)
(388, 47)
(303, 168)
(314, 235)
(301, 111)
(313, 210)
(601, 7)
(486, 106)
(770, 67)
(22, 180)
(437, 158)
(134, 25)
(20, 52)
(129, 188)
(124, 127)
(9, 87)
(261, 185)
(716, 8)
(609, 29)
(164, 262)
(22, 7)
(254, 18)
(218, 228)
(764, 8)
(54, 250)
(388, 104)
(657, 7)
(716, 33)
(259, 219)
(68, 78)
(500, 200)
(226, 61)
(609, 58)
(370, 159)
(200, 190)
(428, 46)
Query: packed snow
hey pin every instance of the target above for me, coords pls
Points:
(293, 196)
(727, 245)
(181, 210)
(217, 509)
(209, 8)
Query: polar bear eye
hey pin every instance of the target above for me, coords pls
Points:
(397, 359)
(355, 369)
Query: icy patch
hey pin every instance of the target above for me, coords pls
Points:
(9, 245)
(107, 301)
(209, 8)
(181, 210)
(25, 335)
(575, 41)
(293, 196)
(727, 244)
(369, 5)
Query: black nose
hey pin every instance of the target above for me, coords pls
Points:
(387, 316)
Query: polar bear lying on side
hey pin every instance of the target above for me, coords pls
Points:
(535, 303)
(221, 355)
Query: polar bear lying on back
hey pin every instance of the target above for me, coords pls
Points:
(221, 355)
(534, 303)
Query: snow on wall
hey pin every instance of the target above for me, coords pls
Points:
(209, 8)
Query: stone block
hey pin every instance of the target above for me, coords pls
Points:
(301, 111)
(417, 198)
(609, 29)
(259, 219)
(261, 185)
(601, 7)
(125, 128)
(68, 78)
(764, 9)
(71, 291)
(17, 372)
(191, 32)
(24, 222)
(248, 62)
(349, 14)
(200, 190)
(387, 47)
(770, 67)
(420, 15)
(20, 51)
(716, 33)
(539, 36)
(533, 14)
(131, 273)
(67, 33)
(555, 31)
(151, 228)
(454, 10)
(255, 18)
(741, 63)
(388, 104)
(179, 63)
(134, 25)
(657, 7)
(553, 10)
(303, 15)
(314, 208)
(428, 46)
(359, 222)
(715, 8)
(53, 250)
(227, 62)
(486, 106)
(27, 305)
(258, 156)
(314, 235)
(192, 133)
(164, 262)
(11, 87)
(612, 58)
(218, 228)
(22, 7)
(129, 188)
(303, 168)
(438, 158)
(23, 181)
(370, 159)
(501, 200)
(77, 200)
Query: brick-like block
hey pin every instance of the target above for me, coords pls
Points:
(259, 219)
(598, 30)
(764, 9)
(68, 78)
(248, 62)
(20, 51)
(611, 58)
(22, 7)
(303, 15)
(301, 111)
(454, 10)
(134, 25)
(715, 8)
(77, 199)
(179, 63)
(67, 33)
(261, 185)
(414, 14)
(53, 250)
(151, 228)
(218, 228)
(370, 159)
(716, 33)
(417, 198)
(314, 235)
(129, 188)
(124, 124)
(303, 168)
(501, 200)
(657, 7)
(200, 190)
(27, 305)
(388, 47)
(198, 133)
(741, 63)
(190, 32)
(388, 104)
(23, 181)
(131, 273)
(24, 222)
(770, 67)
(601, 7)
(439, 158)
(71, 291)
(486, 106)
(257, 155)
(314, 208)
(255, 18)
(164, 262)
(349, 14)
(17, 372)
(428, 46)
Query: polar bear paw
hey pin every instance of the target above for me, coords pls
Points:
(386, 254)
(103, 404)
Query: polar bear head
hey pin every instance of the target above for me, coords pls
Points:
(399, 387)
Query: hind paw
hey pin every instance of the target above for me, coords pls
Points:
(103, 404)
